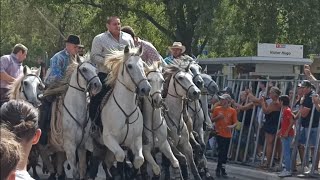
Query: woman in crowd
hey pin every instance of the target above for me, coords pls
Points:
(21, 118)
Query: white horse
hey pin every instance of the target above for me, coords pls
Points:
(121, 117)
(155, 126)
(28, 87)
(180, 89)
(76, 124)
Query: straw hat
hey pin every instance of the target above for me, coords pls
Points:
(178, 45)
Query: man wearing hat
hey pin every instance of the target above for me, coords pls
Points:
(177, 57)
(225, 119)
(60, 61)
(306, 114)
(58, 66)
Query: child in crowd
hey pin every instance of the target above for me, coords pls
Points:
(286, 134)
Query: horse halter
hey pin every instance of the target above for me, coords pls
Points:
(22, 85)
(175, 87)
(84, 77)
(156, 92)
(136, 84)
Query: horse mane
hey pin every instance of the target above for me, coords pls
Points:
(113, 63)
(61, 86)
(15, 87)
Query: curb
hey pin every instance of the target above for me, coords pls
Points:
(245, 172)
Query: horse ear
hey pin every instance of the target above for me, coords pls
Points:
(38, 71)
(188, 67)
(139, 51)
(26, 70)
(126, 49)
(145, 66)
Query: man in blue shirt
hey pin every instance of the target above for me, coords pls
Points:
(58, 66)
(60, 61)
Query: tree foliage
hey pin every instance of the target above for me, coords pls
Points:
(224, 28)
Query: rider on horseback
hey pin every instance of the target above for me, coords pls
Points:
(58, 66)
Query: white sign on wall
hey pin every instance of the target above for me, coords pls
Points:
(280, 50)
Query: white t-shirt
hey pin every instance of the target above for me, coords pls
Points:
(23, 175)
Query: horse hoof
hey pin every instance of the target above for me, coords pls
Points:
(120, 156)
(52, 176)
(156, 177)
(138, 161)
(156, 171)
(210, 178)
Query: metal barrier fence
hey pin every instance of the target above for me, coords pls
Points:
(246, 142)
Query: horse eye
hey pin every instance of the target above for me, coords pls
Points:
(40, 87)
(129, 66)
(149, 80)
(84, 69)
(25, 83)
(180, 78)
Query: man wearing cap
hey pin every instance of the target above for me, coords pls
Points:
(60, 61)
(225, 119)
(149, 53)
(58, 66)
(177, 57)
(306, 114)
(10, 69)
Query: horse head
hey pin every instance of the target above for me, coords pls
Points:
(209, 84)
(183, 83)
(88, 78)
(30, 86)
(156, 81)
(133, 66)
(196, 71)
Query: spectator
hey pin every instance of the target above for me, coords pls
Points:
(225, 118)
(272, 113)
(10, 69)
(22, 119)
(42, 65)
(10, 154)
(286, 134)
(306, 114)
(245, 109)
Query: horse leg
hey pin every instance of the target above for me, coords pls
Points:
(114, 147)
(166, 150)
(147, 154)
(82, 162)
(137, 152)
(186, 149)
(47, 163)
(70, 150)
(61, 158)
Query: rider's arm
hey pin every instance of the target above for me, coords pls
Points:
(96, 51)
(4, 64)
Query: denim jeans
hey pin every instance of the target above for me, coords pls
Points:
(223, 147)
(286, 143)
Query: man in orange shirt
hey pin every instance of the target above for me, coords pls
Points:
(225, 118)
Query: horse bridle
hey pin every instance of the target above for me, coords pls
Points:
(79, 88)
(136, 84)
(156, 92)
(175, 87)
(22, 85)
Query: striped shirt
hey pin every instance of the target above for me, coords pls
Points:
(149, 52)
(104, 43)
